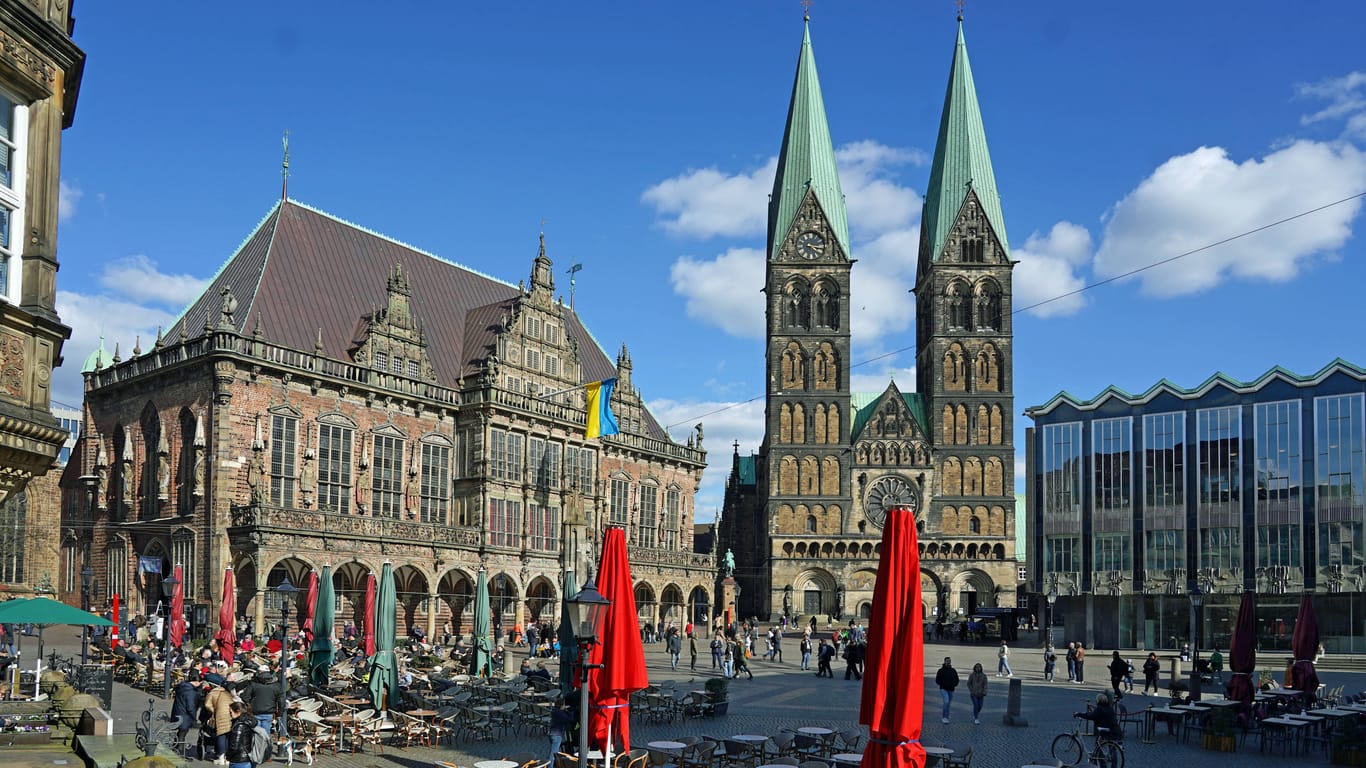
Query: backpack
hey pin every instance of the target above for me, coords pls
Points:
(260, 745)
(1130, 664)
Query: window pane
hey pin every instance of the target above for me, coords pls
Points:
(387, 485)
(436, 482)
(283, 445)
(334, 468)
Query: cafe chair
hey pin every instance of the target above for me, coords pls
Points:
(523, 759)
(739, 753)
(636, 758)
(699, 755)
(961, 758)
(850, 739)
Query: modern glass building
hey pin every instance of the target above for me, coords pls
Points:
(1149, 513)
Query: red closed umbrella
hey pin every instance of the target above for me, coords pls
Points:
(114, 633)
(620, 651)
(178, 610)
(1304, 644)
(1242, 652)
(310, 603)
(227, 617)
(368, 620)
(894, 684)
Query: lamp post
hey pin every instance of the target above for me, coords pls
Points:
(286, 590)
(1048, 614)
(168, 586)
(1197, 597)
(587, 609)
(87, 579)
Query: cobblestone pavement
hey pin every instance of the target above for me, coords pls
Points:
(781, 696)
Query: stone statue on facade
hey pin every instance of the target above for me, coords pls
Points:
(256, 475)
(308, 478)
(198, 488)
(102, 472)
(363, 484)
(163, 470)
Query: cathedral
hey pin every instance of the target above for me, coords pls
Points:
(803, 516)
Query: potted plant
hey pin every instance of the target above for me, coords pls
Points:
(1221, 730)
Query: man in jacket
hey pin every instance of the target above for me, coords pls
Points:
(823, 657)
(853, 658)
(240, 736)
(186, 706)
(262, 696)
(947, 680)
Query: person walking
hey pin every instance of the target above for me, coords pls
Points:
(977, 691)
(1003, 661)
(217, 705)
(1071, 662)
(827, 652)
(1151, 666)
(262, 697)
(1081, 663)
(718, 653)
(728, 659)
(947, 680)
(240, 736)
(675, 645)
(741, 664)
(805, 648)
(778, 644)
(1118, 669)
(1050, 660)
(692, 650)
(186, 707)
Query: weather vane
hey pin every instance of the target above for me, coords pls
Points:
(806, 9)
(284, 168)
(959, 3)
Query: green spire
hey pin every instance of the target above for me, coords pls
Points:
(97, 359)
(961, 160)
(807, 158)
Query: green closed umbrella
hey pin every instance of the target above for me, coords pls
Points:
(320, 650)
(384, 664)
(568, 643)
(481, 655)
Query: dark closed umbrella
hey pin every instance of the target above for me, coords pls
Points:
(1242, 652)
(227, 617)
(568, 643)
(1304, 644)
(894, 683)
(384, 664)
(481, 652)
(178, 610)
(620, 651)
(320, 649)
(368, 620)
(310, 604)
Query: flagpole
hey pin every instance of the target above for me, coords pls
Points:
(564, 391)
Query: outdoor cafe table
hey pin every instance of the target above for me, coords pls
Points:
(343, 721)
(1335, 712)
(847, 758)
(937, 754)
(750, 738)
(1219, 702)
(811, 730)
(1168, 714)
(666, 746)
(496, 764)
(1290, 723)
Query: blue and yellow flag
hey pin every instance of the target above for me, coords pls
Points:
(600, 419)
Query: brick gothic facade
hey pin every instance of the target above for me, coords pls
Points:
(391, 411)
(803, 516)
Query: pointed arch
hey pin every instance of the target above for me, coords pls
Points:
(861, 454)
(995, 477)
(787, 476)
(184, 448)
(798, 423)
(152, 462)
(793, 367)
(827, 304)
(953, 477)
(830, 476)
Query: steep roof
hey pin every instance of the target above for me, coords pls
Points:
(961, 159)
(299, 256)
(864, 403)
(1219, 379)
(807, 158)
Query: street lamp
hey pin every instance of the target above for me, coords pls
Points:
(87, 579)
(1197, 597)
(286, 590)
(1048, 615)
(168, 586)
(587, 609)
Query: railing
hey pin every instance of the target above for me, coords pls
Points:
(351, 526)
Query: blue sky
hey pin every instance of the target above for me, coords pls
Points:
(645, 134)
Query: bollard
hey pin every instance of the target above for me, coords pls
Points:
(1012, 717)
(1176, 669)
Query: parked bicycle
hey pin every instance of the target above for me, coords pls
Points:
(1070, 748)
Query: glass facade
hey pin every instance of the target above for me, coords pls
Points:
(1164, 491)
(1062, 496)
(1338, 478)
(1219, 511)
(1279, 504)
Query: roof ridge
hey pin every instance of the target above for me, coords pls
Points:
(183, 317)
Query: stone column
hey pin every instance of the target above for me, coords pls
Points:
(433, 607)
(261, 577)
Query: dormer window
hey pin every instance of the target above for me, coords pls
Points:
(398, 365)
(381, 361)
(414, 369)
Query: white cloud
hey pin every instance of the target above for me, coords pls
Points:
(1346, 97)
(869, 380)
(706, 203)
(724, 291)
(726, 423)
(68, 198)
(138, 278)
(1049, 267)
(1195, 199)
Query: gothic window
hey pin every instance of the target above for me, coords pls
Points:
(436, 483)
(972, 477)
(116, 567)
(785, 423)
(798, 423)
(13, 538)
(986, 370)
(185, 486)
(818, 424)
(876, 457)
(620, 513)
(505, 523)
(672, 517)
(827, 367)
(284, 447)
(543, 526)
(387, 484)
(827, 305)
(972, 248)
(793, 367)
(995, 477)
(956, 306)
(787, 476)
(960, 425)
(183, 555)
(810, 477)
(151, 461)
(647, 531)
(334, 467)
(955, 378)
(987, 304)
(953, 477)
(830, 476)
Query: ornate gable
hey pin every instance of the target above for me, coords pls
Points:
(811, 239)
(972, 238)
(391, 340)
(890, 434)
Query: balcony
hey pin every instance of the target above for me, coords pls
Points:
(333, 525)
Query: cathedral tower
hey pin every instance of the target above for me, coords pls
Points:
(964, 336)
(805, 453)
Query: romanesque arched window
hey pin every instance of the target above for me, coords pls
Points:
(986, 302)
(995, 477)
(972, 477)
(818, 423)
(955, 372)
(811, 524)
(983, 425)
(810, 476)
(827, 367)
(832, 424)
(830, 476)
(948, 520)
(997, 425)
(975, 525)
(787, 476)
(956, 305)
(785, 423)
(960, 425)
(798, 423)
(986, 370)
(953, 477)
(793, 367)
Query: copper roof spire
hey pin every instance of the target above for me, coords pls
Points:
(284, 169)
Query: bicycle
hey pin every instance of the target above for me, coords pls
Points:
(1069, 749)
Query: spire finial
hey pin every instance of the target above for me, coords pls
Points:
(959, 3)
(284, 168)
(806, 9)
